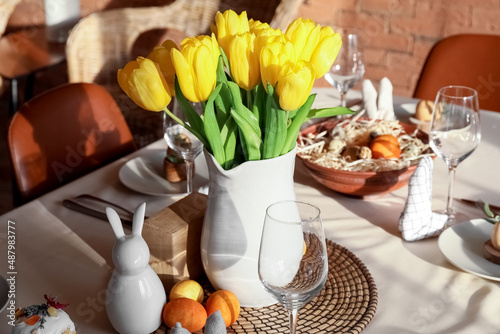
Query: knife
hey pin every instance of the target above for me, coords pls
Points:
(96, 207)
(479, 204)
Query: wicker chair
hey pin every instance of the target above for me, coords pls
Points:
(6, 9)
(103, 42)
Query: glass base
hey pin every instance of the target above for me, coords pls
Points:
(453, 218)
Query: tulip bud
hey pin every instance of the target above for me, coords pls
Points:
(244, 61)
(295, 84)
(326, 51)
(196, 66)
(143, 81)
(304, 35)
(161, 56)
(227, 25)
(273, 57)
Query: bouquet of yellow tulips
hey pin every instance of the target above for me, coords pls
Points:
(253, 81)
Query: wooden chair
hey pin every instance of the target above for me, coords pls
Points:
(469, 60)
(63, 134)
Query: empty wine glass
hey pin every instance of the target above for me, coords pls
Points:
(182, 141)
(293, 262)
(455, 132)
(349, 66)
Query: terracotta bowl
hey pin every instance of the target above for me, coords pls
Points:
(359, 184)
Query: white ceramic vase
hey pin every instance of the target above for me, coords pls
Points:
(232, 229)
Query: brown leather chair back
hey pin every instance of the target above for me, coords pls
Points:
(63, 134)
(468, 60)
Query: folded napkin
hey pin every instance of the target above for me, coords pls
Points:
(215, 325)
(417, 220)
(378, 106)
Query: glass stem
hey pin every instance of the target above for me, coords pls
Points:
(189, 175)
(343, 100)
(451, 183)
(293, 320)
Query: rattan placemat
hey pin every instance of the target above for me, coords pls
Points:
(346, 304)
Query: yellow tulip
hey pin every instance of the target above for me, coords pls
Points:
(144, 83)
(265, 36)
(326, 51)
(304, 35)
(273, 57)
(244, 61)
(319, 45)
(196, 66)
(227, 25)
(255, 26)
(161, 56)
(295, 84)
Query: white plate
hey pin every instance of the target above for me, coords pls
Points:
(145, 175)
(462, 245)
(4, 293)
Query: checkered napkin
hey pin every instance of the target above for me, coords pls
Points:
(378, 106)
(417, 220)
(215, 325)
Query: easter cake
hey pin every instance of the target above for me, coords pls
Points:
(45, 318)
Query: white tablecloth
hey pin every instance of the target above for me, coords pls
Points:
(67, 254)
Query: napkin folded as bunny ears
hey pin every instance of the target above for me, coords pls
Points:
(417, 220)
(215, 325)
(378, 106)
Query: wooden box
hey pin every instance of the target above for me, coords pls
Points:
(173, 236)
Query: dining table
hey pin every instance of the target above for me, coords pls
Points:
(67, 254)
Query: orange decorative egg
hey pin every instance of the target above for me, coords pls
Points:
(385, 146)
(188, 312)
(227, 303)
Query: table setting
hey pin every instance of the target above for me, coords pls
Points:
(249, 217)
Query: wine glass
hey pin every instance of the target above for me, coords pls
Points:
(455, 132)
(293, 262)
(349, 66)
(182, 141)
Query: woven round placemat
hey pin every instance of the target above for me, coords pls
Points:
(346, 304)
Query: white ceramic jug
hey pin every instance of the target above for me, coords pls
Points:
(135, 295)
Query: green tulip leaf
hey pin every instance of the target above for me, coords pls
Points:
(195, 121)
(251, 141)
(329, 112)
(212, 128)
(298, 120)
(229, 134)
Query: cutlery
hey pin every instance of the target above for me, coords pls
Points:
(96, 207)
(480, 204)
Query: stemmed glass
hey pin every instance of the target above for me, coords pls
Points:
(178, 138)
(349, 66)
(455, 132)
(293, 262)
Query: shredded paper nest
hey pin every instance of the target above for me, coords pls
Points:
(314, 147)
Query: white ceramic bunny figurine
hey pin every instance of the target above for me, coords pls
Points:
(135, 295)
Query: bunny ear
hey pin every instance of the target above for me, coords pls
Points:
(138, 221)
(116, 223)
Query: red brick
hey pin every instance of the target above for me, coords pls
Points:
(475, 3)
(375, 56)
(366, 22)
(421, 48)
(398, 78)
(403, 61)
(396, 7)
(392, 42)
(487, 19)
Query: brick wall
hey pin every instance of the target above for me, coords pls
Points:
(398, 34)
